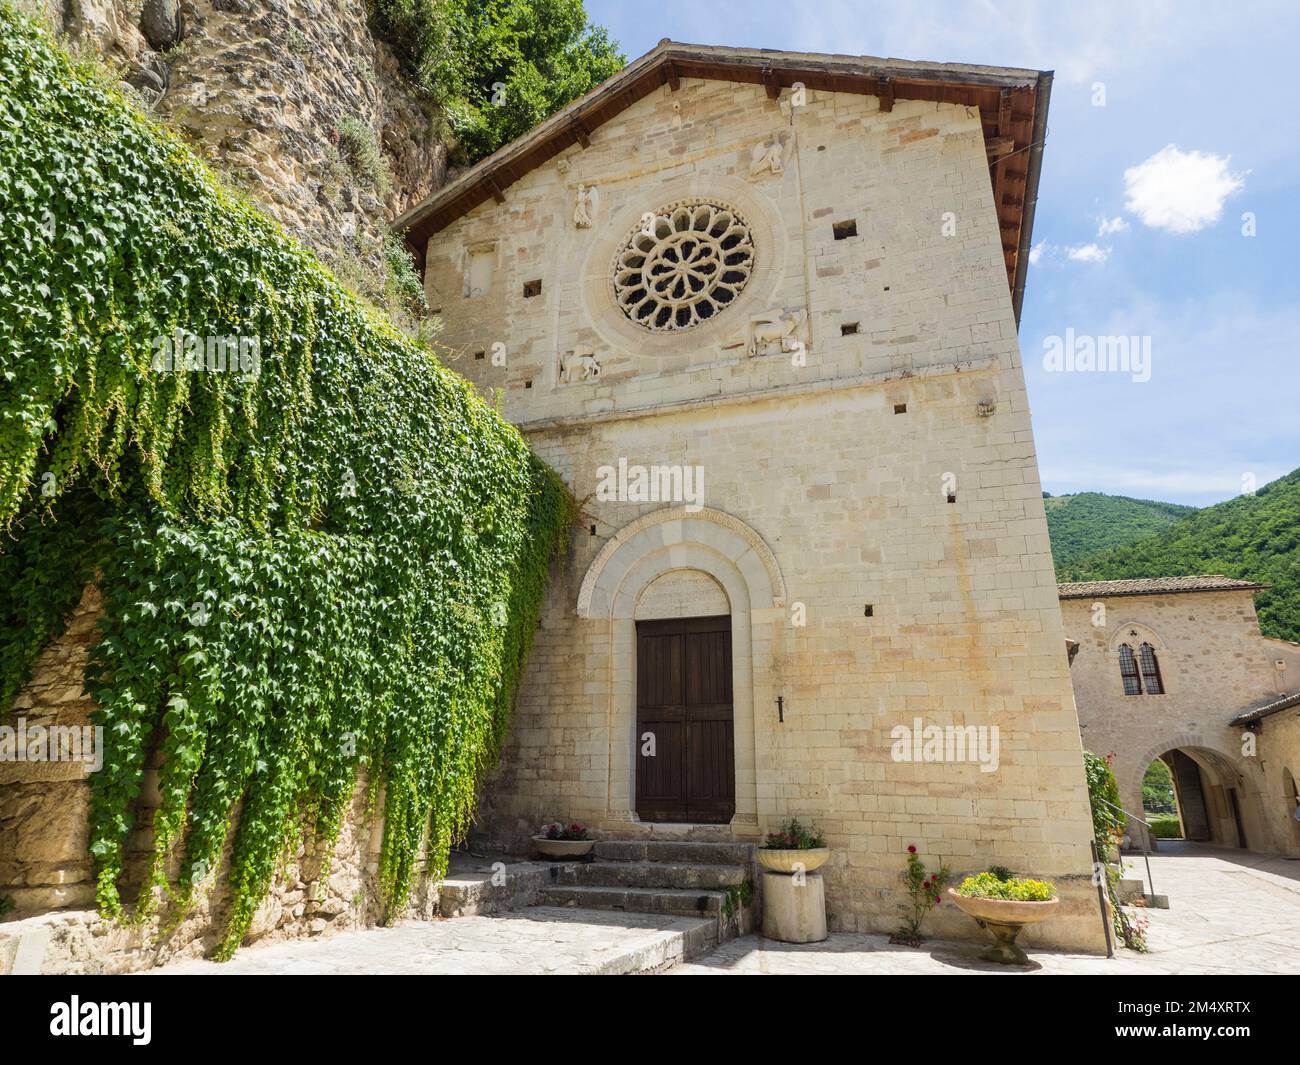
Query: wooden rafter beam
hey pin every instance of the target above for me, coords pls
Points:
(885, 92)
(997, 147)
(671, 77)
(771, 82)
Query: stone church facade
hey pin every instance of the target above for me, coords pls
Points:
(760, 311)
(1175, 668)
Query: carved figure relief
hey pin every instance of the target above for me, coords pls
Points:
(777, 329)
(578, 366)
(584, 207)
(767, 157)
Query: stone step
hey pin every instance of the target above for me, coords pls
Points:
(635, 900)
(688, 938)
(649, 875)
(680, 851)
(503, 887)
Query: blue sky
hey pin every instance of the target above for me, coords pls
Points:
(1139, 229)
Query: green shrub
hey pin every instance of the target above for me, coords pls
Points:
(359, 148)
(330, 561)
(1165, 826)
(992, 886)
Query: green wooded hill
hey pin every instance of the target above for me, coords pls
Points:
(1250, 537)
(1088, 523)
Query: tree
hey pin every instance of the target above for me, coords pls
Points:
(496, 68)
(1158, 788)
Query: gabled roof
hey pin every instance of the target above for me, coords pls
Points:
(1012, 103)
(1276, 706)
(1213, 582)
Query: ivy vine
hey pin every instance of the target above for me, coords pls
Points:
(334, 562)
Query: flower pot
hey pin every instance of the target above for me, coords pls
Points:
(563, 848)
(785, 861)
(1004, 918)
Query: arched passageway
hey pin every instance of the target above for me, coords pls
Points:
(1197, 794)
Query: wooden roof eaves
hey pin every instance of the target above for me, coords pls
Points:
(982, 87)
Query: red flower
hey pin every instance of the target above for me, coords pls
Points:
(936, 900)
(911, 849)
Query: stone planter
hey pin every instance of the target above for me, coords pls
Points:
(1004, 918)
(794, 906)
(563, 848)
(785, 861)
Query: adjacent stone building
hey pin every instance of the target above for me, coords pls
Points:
(760, 311)
(1176, 668)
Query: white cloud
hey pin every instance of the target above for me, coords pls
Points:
(1036, 252)
(1180, 191)
(1087, 253)
(1111, 225)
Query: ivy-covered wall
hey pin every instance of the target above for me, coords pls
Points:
(319, 551)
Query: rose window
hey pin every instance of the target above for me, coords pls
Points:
(683, 266)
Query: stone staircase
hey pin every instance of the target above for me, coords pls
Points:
(711, 881)
(704, 890)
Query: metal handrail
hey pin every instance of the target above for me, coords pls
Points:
(1146, 853)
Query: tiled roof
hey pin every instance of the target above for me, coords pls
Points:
(1277, 705)
(1210, 582)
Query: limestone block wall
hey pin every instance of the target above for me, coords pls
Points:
(911, 295)
(1213, 663)
(892, 468)
(1281, 733)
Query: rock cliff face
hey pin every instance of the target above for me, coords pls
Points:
(295, 100)
(298, 103)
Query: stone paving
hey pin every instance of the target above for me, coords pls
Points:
(1230, 912)
(535, 941)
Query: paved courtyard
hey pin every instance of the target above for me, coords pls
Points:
(1230, 912)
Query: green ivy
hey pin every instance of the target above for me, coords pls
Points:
(334, 562)
(1108, 824)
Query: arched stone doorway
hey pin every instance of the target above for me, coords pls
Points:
(676, 563)
(1217, 801)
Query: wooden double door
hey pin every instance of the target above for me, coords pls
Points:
(685, 734)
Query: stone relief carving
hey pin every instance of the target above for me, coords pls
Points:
(767, 156)
(584, 207)
(776, 329)
(579, 365)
